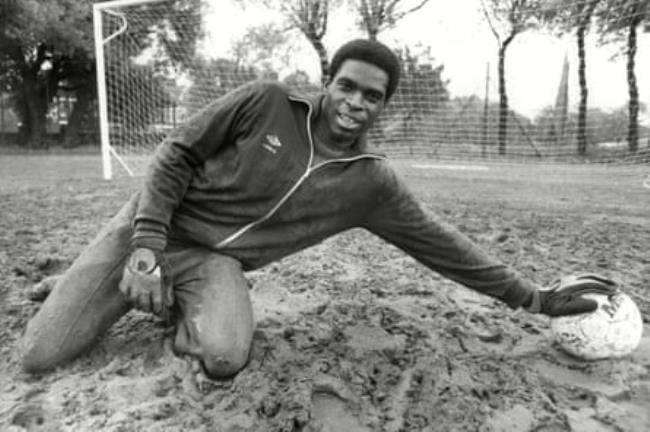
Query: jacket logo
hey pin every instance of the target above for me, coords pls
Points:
(272, 143)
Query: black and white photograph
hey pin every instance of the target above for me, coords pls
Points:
(325, 215)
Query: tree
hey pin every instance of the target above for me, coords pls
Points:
(577, 15)
(212, 79)
(43, 46)
(47, 46)
(157, 46)
(168, 29)
(603, 127)
(378, 15)
(583, 12)
(310, 17)
(138, 95)
(418, 100)
(422, 88)
(615, 19)
(260, 46)
(144, 60)
(507, 19)
(300, 80)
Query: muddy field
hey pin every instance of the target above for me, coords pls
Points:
(352, 335)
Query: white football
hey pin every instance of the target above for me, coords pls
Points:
(611, 331)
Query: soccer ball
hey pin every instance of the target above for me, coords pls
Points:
(611, 331)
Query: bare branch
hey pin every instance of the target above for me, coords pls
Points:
(399, 16)
(490, 23)
(377, 15)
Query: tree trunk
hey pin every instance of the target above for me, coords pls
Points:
(486, 105)
(33, 133)
(584, 91)
(73, 136)
(38, 121)
(370, 17)
(633, 108)
(503, 100)
(322, 56)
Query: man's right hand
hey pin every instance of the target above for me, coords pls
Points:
(145, 283)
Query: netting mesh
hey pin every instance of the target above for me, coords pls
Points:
(163, 62)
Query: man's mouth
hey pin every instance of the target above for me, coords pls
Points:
(348, 122)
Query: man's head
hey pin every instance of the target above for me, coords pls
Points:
(363, 76)
(372, 52)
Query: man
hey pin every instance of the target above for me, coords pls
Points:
(259, 174)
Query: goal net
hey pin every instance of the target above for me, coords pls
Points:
(159, 61)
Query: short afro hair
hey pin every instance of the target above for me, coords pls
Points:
(369, 51)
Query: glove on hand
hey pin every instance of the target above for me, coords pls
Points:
(565, 296)
(145, 282)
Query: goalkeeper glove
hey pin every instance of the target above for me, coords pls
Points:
(565, 296)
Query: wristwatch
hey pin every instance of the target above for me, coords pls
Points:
(142, 260)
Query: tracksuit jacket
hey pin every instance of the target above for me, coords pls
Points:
(239, 178)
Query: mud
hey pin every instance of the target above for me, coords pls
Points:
(352, 335)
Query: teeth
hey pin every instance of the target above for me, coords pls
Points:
(348, 122)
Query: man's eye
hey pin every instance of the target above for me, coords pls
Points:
(345, 86)
(373, 97)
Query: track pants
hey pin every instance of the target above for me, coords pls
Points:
(214, 313)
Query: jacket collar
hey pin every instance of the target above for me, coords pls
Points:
(315, 101)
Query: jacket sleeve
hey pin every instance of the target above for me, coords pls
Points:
(175, 159)
(398, 218)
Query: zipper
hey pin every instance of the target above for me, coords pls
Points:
(296, 185)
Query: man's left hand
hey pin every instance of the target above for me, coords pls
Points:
(145, 282)
(565, 296)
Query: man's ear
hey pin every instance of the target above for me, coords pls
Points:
(327, 82)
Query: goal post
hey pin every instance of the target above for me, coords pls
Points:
(160, 61)
(130, 91)
(98, 31)
(155, 68)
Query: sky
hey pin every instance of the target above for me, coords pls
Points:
(461, 40)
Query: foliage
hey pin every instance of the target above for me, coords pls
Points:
(127, 111)
(602, 126)
(576, 16)
(211, 79)
(507, 19)
(310, 17)
(300, 80)
(145, 58)
(627, 16)
(44, 46)
(422, 88)
(374, 16)
(566, 18)
(264, 46)
(512, 17)
(167, 31)
(468, 120)
(616, 16)
(421, 92)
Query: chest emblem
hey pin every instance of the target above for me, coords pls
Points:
(272, 143)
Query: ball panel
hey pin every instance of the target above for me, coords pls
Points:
(613, 330)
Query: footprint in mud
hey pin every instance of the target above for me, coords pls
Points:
(333, 409)
(29, 417)
(332, 414)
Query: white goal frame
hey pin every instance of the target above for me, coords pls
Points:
(107, 151)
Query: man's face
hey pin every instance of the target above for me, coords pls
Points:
(354, 98)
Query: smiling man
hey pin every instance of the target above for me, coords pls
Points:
(259, 174)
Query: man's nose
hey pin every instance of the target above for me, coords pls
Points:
(355, 100)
